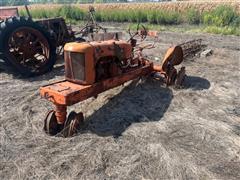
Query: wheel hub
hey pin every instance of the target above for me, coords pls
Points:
(29, 47)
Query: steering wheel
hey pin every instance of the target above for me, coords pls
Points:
(140, 32)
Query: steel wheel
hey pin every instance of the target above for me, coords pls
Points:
(29, 48)
(171, 76)
(180, 77)
(51, 126)
(72, 124)
(173, 57)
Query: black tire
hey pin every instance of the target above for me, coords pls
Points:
(8, 27)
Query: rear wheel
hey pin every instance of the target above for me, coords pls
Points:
(180, 77)
(26, 46)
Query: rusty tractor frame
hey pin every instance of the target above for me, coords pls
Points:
(29, 46)
(106, 64)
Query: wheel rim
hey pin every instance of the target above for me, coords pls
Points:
(72, 124)
(173, 57)
(50, 123)
(76, 123)
(29, 48)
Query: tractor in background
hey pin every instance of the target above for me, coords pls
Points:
(30, 46)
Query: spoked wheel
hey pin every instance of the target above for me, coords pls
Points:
(92, 28)
(73, 123)
(27, 46)
(51, 126)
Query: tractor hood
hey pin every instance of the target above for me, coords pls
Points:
(116, 48)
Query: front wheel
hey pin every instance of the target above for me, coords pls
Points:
(51, 126)
(73, 123)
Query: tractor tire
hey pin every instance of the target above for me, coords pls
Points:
(27, 46)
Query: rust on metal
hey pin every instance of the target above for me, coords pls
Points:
(60, 32)
(8, 12)
(173, 57)
(28, 45)
(91, 26)
(60, 113)
(94, 67)
(104, 36)
(191, 47)
(75, 93)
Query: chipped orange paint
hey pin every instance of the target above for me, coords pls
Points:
(95, 50)
(66, 93)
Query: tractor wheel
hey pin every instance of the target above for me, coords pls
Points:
(27, 46)
(51, 126)
(180, 77)
(73, 123)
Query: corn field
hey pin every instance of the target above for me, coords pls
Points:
(224, 15)
(179, 6)
(169, 6)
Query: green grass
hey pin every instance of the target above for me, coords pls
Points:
(74, 13)
(68, 12)
(186, 28)
(193, 16)
(222, 20)
(222, 16)
(150, 16)
(227, 30)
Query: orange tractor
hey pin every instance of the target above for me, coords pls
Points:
(94, 67)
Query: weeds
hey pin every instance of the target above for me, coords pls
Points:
(193, 16)
(227, 30)
(222, 16)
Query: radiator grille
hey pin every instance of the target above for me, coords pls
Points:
(78, 65)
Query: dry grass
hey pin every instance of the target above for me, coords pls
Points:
(181, 6)
(137, 131)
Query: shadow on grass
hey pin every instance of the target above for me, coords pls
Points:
(139, 102)
(196, 83)
(58, 70)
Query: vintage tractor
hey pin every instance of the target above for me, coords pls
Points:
(94, 67)
(30, 46)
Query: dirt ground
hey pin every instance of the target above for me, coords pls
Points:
(140, 130)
